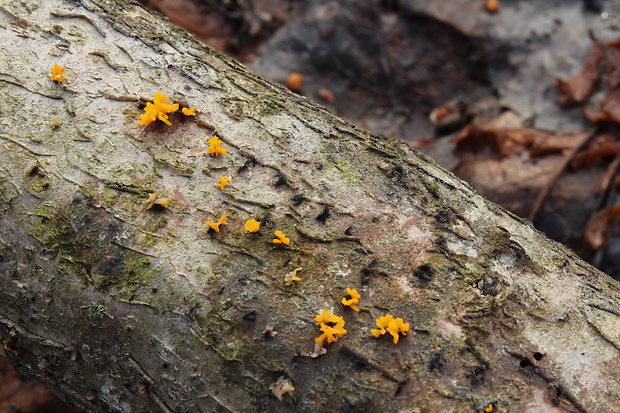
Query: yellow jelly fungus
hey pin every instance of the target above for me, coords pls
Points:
(291, 277)
(58, 74)
(162, 201)
(251, 225)
(281, 238)
(216, 227)
(391, 325)
(154, 200)
(489, 409)
(331, 325)
(157, 110)
(355, 298)
(223, 182)
(215, 146)
(189, 111)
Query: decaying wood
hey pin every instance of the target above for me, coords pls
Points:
(121, 308)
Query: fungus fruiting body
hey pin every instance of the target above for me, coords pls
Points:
(154, 200)
(251, 225)
(58, 74)
(331, 325)
(159, 109)
(189, 111)
(216, 226)
(355, 298)
(282, 239)
(389, 324)
(291, 277)
(223, 182)
(282, 386)
(215, 146)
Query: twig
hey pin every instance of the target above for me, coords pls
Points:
(607, 179)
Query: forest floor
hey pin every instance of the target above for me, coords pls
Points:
(520, 99)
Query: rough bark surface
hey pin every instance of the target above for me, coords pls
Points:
(119, 308)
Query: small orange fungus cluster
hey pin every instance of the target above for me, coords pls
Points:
(189, 111)
(291, 277)
(223, 182)
(389, 324)
(282, 239)
(489, 409)
(355, 298)
(251, 225)
(216, 226)
(58, 74)
(331, 325)
(159, 109)
(154, 200)
(215, 146)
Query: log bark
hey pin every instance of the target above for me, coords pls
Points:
(121, 308)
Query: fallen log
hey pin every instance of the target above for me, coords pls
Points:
(119, 297)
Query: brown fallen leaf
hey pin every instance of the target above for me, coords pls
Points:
(577, 88)
(547, 143)
(598, 229)
(613, 63)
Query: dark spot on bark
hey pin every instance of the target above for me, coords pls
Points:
(475, 374)
(401, 385)
(34, 172)
(348, 231)
(538, 356)
(318, 166)
(110, 265)
(250, 162)
(525, 363)
(244, 279)
(368, 274)
(490, 285)
(516, 249)
(158, 208)
(441, 242)
(298, 200)
(250, 317)
(322, 217)
(425, 272)
(436, 362)
(443, 217)
(281, 181)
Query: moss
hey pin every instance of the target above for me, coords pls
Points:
(267, 105)
(96, 310)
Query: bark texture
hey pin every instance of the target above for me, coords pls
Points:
(126, 309)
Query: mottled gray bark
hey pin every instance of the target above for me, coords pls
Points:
(117, 307)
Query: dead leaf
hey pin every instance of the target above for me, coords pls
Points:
(547, 143)
(577, 88)
(598, 229)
